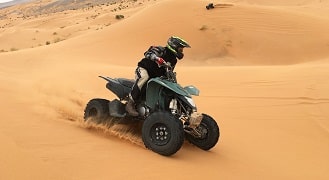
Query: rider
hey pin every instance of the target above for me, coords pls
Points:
(152, 66)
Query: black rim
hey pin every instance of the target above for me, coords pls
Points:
(160, 134)
(203, 129)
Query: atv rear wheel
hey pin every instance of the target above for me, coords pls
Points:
(210, 134)
(163, 133)
(97, 110)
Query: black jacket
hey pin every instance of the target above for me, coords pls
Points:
(149, 61)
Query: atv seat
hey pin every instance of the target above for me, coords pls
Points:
(120, 87)
(126, 82)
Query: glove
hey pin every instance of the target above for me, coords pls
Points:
(160, 61)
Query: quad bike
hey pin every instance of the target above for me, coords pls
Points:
(167, 112)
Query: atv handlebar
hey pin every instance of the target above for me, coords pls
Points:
(167, 65)
(170, 75)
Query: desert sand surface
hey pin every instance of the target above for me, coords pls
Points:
(262, 68)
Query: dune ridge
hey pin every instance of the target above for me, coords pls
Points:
(267, 36)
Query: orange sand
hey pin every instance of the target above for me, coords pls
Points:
(262, 68)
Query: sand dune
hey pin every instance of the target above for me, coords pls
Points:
(262, 68)
(254, 34)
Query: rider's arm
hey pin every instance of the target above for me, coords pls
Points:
(154, 52)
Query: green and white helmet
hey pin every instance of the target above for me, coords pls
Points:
(175, 43)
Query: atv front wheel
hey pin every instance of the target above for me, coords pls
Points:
(97, 110)
(163, 133)
(209, 131)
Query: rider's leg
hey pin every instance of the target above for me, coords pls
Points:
(141, 77)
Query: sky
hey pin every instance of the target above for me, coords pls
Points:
(3, 1)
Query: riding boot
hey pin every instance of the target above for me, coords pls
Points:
(130, 108)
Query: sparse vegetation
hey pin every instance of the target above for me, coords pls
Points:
(94, 16)
(119, 16)
(57, 40)
(97, 9)
(203, 28)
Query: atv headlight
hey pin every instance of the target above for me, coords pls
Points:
(190, 101)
